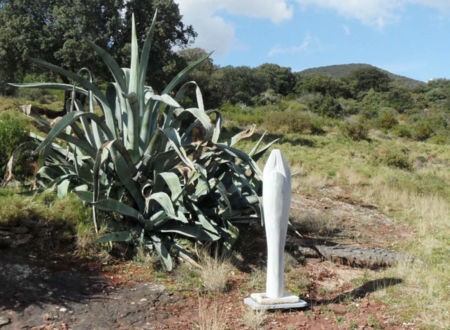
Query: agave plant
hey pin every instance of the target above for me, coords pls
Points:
(159, 167)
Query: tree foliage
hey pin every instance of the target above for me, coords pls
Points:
(57, 30)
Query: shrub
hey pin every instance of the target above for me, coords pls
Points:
(356, 129)
(387, 120)
(402, 131)
(395, 157)
(441, 138)
(422, 130)
(292, 122)
(159, 168)
(13, 132)
(327, 106)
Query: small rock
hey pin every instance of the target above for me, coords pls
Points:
(63, 309)
(143, 300)
(4, 320)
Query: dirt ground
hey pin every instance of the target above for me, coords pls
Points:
(81, 294)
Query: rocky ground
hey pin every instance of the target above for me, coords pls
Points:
(57, 294)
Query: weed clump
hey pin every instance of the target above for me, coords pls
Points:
(215, 273)
(293, 122)
(395, 157)
(356, 129)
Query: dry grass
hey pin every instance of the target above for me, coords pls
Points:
(210, 317)
(215, 272)
(424, 296)
(323, 224)
(254, 319)
(257, 279)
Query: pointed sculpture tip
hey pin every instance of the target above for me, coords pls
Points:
(277, 163)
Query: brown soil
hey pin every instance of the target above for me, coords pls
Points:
(81, 294)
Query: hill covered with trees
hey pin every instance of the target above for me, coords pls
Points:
(342, 70)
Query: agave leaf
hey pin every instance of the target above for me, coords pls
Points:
(261, 152)
(126, 170)
(85, 196)
(111, 63)
(173, 182)
(163, 252)
(242, 155)
(86, 127)
(86, 84)
(166, 99)
(206, 224)
(241, 135)
(67, 120)
(201, 189)
(134, 69)
(218, 126)
(64, 87)
(233, 233)
(133, 127)
(255, 154)
(164, 200)
(175, 142)
(189, 231)
(82, 144)
(119, 207)
(120, 236)
(145, 55)
(203, 118)
(63, 188)
(179, 77)
(224, 194)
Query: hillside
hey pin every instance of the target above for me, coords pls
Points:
(342, 70)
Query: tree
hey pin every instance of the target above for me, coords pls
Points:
(323, 84)
(366, 78)
(57, 31)
(278, 78)
(204, 75)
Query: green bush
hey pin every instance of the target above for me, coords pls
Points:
(387, 120)
(13, 132)
(422, 130)
(395, 157)
(356, 129)
(402, 131)
(441, 138)
(292, 122)
(326, 106)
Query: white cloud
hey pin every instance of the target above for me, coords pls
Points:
(371, 12)
(277, 50)
(215, 33)
(376, 13)
(443, 5)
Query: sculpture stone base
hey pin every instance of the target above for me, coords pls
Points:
(288, 298)
(274, 305)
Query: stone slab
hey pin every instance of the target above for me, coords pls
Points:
(256, 306)
(261, 298)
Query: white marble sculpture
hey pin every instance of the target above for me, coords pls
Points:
(277, 202)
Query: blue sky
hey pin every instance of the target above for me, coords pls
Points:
(406, 37)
